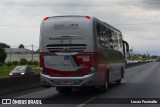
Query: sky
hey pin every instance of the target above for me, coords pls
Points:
(138, 20)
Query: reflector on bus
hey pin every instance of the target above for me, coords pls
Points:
(46, 18)
(88, 17)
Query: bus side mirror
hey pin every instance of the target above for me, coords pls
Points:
(127, 46)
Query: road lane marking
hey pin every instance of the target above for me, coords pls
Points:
(87, 101)
(123, 81)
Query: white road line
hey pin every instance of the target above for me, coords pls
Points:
(123, 81)
(87, 101)
(92, 98)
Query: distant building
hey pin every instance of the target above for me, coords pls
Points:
(18, 51)
(15, 54)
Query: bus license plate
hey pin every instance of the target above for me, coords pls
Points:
(66, 57)
(66, 82)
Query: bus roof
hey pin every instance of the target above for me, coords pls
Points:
(88, 17)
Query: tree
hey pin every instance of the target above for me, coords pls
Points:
(3, 55)
(135, 57)
(21, 46)
(144, 56)
(35, 63)
(154, 56)
(148, 56)
(37, 51)
(23, 61)
(3, 45)
(9, 63)
(30, 62)
(15, 63)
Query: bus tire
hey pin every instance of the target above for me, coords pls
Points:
(104, 87)
(118, 82)
(64, 89)
(44, 86)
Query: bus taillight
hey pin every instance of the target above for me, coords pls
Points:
(46, 18)
(88, 17)
(88, 59)
(41, 61)
(92, 60)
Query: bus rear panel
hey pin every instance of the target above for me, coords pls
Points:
(67, 51)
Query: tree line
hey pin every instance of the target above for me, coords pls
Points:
(3, 54)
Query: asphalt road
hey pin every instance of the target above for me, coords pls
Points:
(142, 82)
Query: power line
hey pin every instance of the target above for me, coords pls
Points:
(139, 23)
(113, 24)
(110, 12)
(33, 46)
(16, 26)
(81, 3)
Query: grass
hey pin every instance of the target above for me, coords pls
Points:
(4, 74)
(5, 70)
(37, 71)
(5, 67)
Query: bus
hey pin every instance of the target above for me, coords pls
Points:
(80, 51)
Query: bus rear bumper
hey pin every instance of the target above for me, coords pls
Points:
(86, 80)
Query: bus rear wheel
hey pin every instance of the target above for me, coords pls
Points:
(118, 82)
(104, 87)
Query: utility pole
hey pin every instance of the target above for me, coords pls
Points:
(32, 53)
(10, 54)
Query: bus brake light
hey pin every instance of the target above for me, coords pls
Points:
(88, 17)
(92, 60)
(46, 18)
(41, 61)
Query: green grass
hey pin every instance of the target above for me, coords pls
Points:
(37, 71)
(4, 74)
(4, 67)
(5, 70)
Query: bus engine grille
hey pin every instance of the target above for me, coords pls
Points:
(66, 47)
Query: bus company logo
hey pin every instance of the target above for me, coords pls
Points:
(6, 101)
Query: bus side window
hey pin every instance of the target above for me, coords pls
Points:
(113, 40)
(121, 44)
(108, 40)
(102, 36)
(116, 42)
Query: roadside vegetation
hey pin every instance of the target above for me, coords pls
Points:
(142, 58)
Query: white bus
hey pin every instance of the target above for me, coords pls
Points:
(79, 51)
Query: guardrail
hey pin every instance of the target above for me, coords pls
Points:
(134, 64)
(14, 84)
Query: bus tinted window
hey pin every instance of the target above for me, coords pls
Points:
(107, 38)
(102, 36)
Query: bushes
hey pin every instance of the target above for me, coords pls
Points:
(30, 62)
(8, 63)
(35, 63)
(1, 63)
(15, 62)
(22, 61)
(3, 55)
